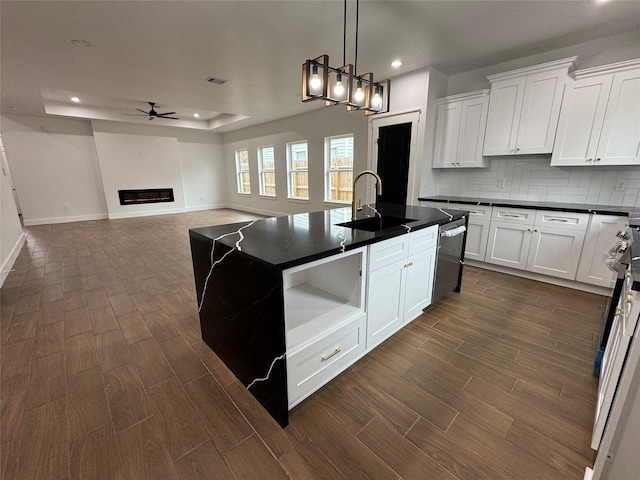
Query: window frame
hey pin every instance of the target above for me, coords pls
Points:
(328, 170)
(262, 171)
(240, 171)
(291, 171)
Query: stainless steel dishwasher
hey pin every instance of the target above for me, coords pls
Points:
(451, 243)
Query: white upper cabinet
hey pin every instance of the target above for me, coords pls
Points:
(600, 118)
(524, 107)
(460, 126)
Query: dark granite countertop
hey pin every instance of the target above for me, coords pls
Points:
(292, 240)
(560, 206)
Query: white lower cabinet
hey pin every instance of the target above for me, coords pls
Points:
(509, 245)
(555, 251)
(601, 236)
(325, 320)
(398, 292)
(539, 241)
(558, 244)
(311, 367)
(384, 301)
(327, 325)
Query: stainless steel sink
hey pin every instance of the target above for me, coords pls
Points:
(376, 224)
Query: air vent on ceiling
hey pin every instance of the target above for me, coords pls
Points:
(217, 81)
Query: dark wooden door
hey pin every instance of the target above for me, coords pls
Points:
(394, 144)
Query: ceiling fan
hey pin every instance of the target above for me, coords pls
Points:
(152, 113)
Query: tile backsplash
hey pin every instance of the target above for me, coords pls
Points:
(533, 178)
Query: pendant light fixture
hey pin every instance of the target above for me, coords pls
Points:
(343, 85)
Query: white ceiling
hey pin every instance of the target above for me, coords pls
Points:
(163, 51)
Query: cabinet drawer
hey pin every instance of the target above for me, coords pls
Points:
(521, 216)
(572, 221)
(387, 252)
(313, 366)
(421, 240)
(479, 212)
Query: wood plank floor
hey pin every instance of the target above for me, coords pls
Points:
(104, 376)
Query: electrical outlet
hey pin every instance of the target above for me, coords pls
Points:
(620, 185)
(65, 207)
(501, 183)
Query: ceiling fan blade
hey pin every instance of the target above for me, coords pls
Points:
(151, 118)
(166, 113)
(146, 113)
(136, 114)
(172, 118)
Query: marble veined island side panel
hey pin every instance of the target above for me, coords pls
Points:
(241, 316)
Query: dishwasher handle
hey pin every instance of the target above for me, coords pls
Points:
(453, 232)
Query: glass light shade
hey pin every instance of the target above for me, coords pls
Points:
(315, 83)
(339, 88)
(315, 77)
(359, 95)
(376, 101)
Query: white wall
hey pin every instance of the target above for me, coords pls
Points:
(137, 160)
(313, 127)
(203, 171)
(54, 164)
(11, 235)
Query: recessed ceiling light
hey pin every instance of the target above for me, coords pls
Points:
(196, 115)
(396, 63)
(81, 43)
(75, 99)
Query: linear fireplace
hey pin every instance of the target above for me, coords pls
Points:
(150, 195)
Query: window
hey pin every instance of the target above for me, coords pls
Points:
(339, 168)
(267, 170)
(242, 170)
(298, 167)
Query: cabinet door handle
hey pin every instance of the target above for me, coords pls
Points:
(517, 149)
(589, 160)
(597, 159)
(512, 215)
(327, 357)
(473, 211)
(619, 311)
(558, 220)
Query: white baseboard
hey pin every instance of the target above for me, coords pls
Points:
(588, 474)
(147, 213)
(8, 263)
(77, 218)
(259, 211)
(199, 208)
(585, 287)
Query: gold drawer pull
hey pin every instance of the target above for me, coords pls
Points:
(327, 357)
(558, 220)
(512, 215)
(619, 311)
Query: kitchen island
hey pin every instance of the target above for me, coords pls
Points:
(258, 283)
